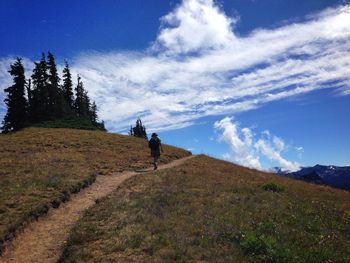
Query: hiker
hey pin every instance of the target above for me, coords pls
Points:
(156, 146)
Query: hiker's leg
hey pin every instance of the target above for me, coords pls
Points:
(156, 162)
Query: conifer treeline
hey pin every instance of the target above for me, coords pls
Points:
(139, 130)
(43, 98)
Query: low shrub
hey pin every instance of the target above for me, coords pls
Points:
(264, 248)
(273, 187)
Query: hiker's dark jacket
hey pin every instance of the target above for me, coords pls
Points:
(154, 144)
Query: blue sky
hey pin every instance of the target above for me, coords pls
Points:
(261, 83)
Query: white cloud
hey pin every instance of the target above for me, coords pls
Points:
(272, 147)
(5, 80)
(300, 152)
(198, 67)
(240, 142)
(195, 25)
(247, 151)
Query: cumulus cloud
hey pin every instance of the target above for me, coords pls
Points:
(240, 142)
(197, 66)
(272, 147)
(247, 151)
(182, 30)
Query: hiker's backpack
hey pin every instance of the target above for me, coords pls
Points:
(153, 144)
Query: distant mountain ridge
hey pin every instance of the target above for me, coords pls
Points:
(336, 176)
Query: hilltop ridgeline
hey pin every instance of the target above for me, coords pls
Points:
(44, 101)
(41, 168)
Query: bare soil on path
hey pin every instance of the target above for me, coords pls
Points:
(44, 240)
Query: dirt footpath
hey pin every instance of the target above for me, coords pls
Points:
(44, 240)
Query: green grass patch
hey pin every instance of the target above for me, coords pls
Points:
(273, 187)
(213, 211)
(71, 123)
(265, 248)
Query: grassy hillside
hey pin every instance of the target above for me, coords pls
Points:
(213, 211)
(42, 167)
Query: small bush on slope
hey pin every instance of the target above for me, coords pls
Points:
(273, 187)
(213, 211)
(42, 167)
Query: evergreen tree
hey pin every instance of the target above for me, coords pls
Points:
(16, 102)
(139, 130)
(87, 105)
(55, 96)
(48, 102)
(131, 131)
(82, 102)
(93, 113)
(39, 107)
(67, 87)
(101, 126)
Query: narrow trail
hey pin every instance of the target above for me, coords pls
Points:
(44, 240)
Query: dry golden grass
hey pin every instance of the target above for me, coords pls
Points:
(212, 211)
(41, 167)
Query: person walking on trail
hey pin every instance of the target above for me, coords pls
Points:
(156, 146)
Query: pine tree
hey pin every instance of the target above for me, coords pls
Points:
(55, 95)
(67, 87)
(101, 126)
(82, 102)
(16, 102)
(87, 104)
(93, 113)
(48, 102)
(39, 107)
(139, 130)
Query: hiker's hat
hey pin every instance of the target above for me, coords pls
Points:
(154, 134)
